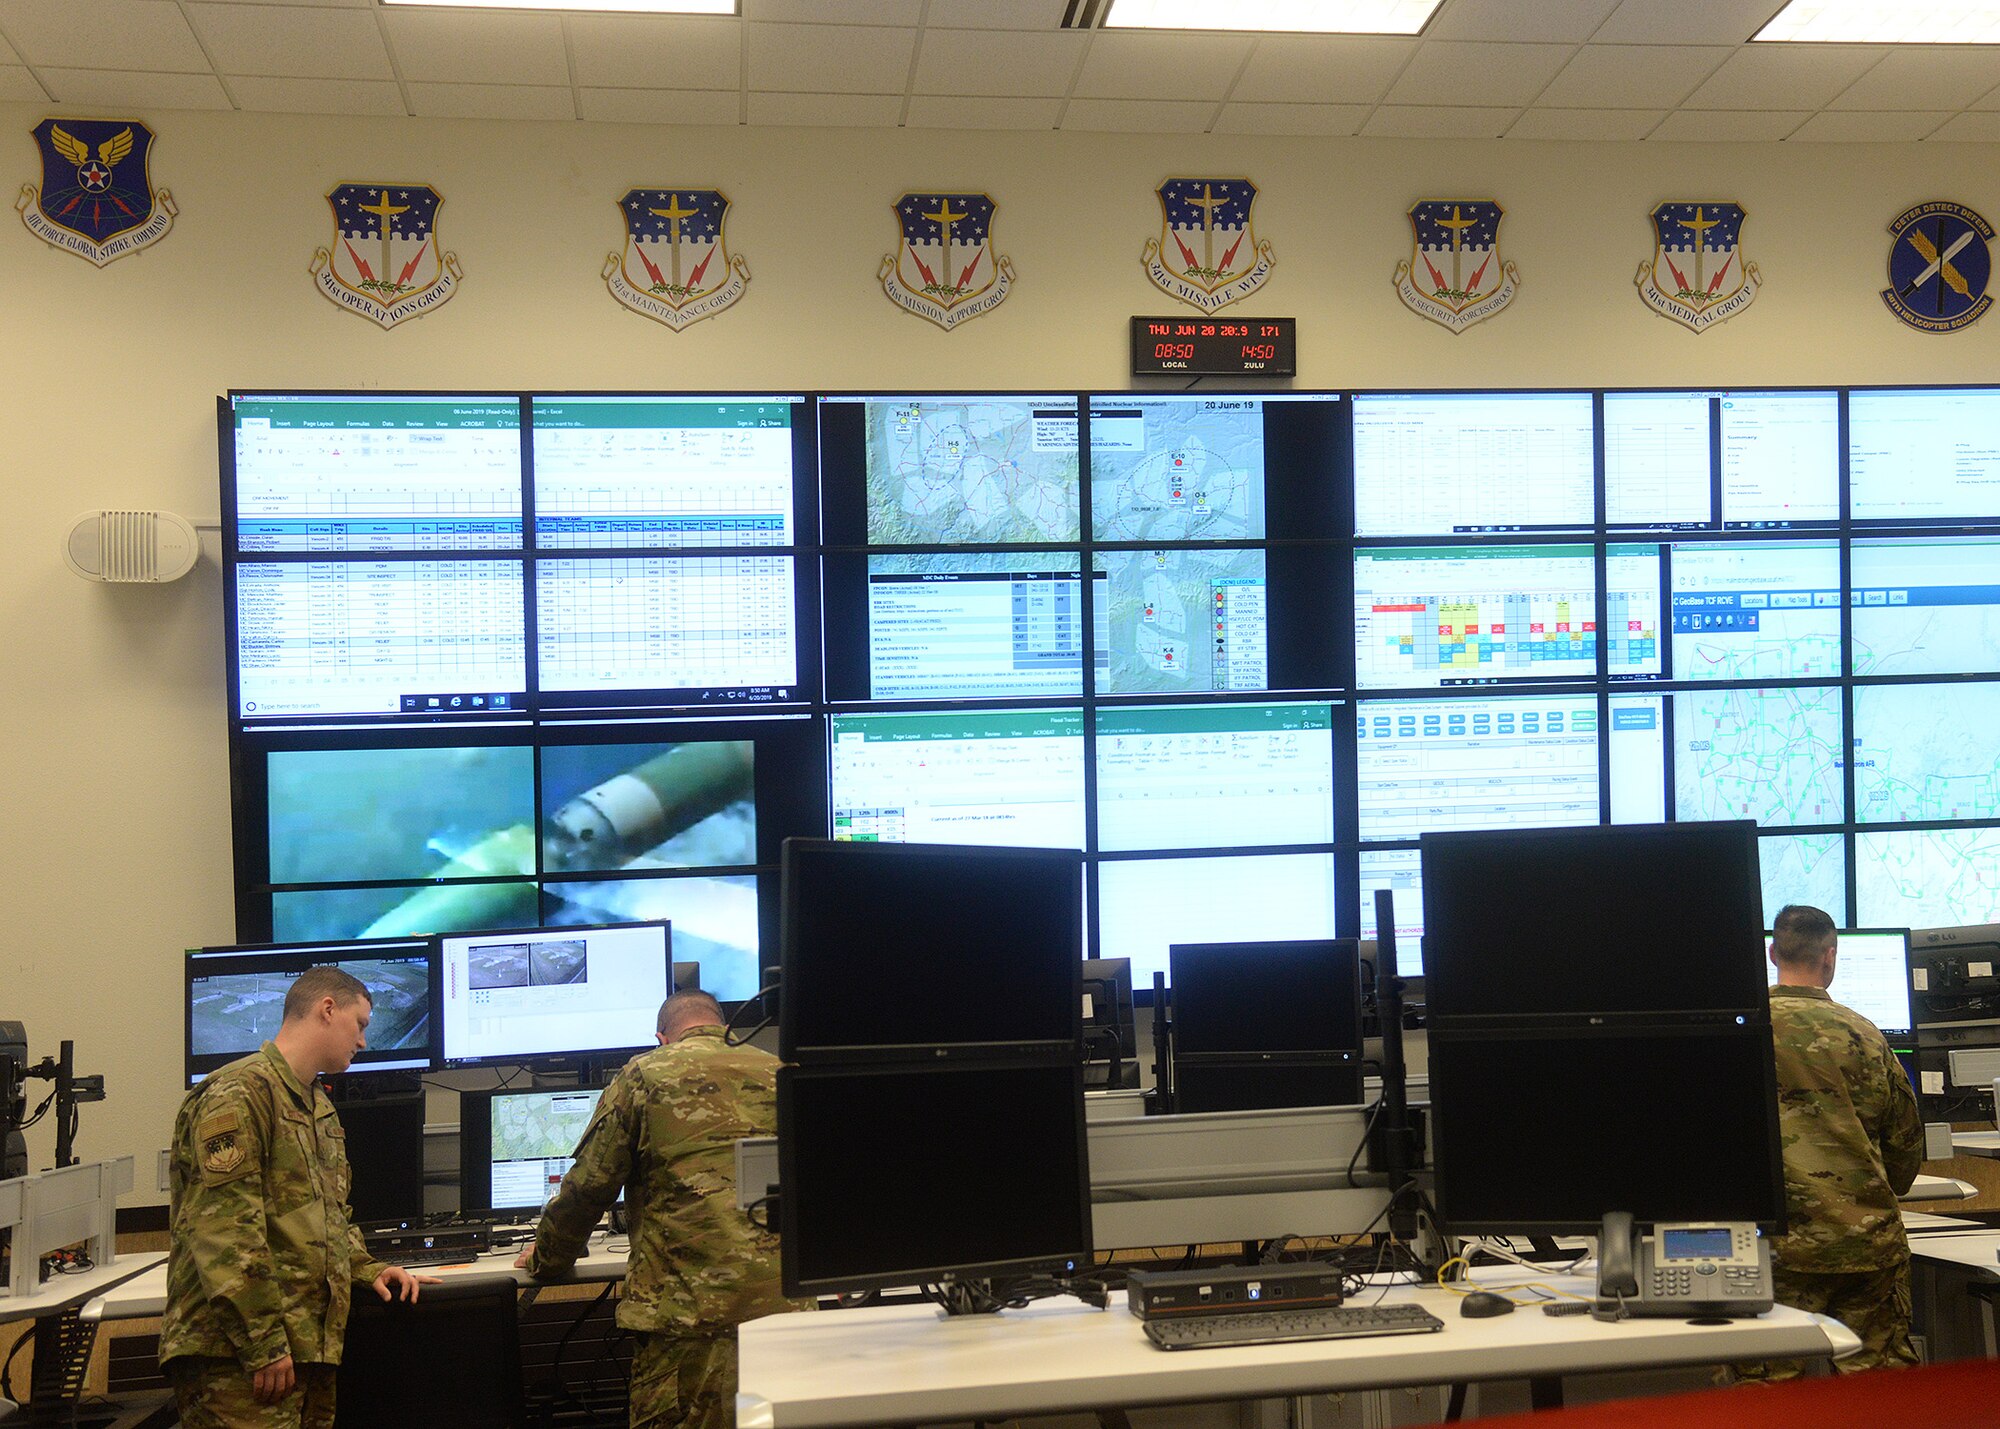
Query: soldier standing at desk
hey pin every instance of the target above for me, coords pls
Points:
(263, 1259)
(1852, 1139)
(665, 1132)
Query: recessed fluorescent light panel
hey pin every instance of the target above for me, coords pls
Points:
(1338, 17)
(622, 7)
(1871, 22)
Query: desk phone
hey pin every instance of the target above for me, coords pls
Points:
(1683, 1268)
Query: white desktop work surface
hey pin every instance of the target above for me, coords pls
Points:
(1939, 1188)
(908, 1364)
(59, 1292)
(1976, 1143)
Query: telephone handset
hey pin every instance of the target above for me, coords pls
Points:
(1683, 1268)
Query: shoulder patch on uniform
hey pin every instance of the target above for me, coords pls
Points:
(219, 1142)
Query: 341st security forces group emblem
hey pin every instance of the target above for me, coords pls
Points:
(96, 198)
(676, 267)
(1697, 275)
(1455, 276)
(385, 263)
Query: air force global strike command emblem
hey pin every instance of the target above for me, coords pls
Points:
(675, 268)
(1697, 275)
(1939, 267)
(385, 263)
(1455, 276)
(97, 198)
(944, 268)
(1206, 254)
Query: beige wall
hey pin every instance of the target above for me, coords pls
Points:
(114, 772)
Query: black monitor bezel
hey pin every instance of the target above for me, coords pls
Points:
(535, 1059)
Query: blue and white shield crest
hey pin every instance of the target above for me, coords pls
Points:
(1455, 276)
(1206, 254)
(385, 263)
(96, 198)
(676, 268)
(944, 268)
(1697, 275)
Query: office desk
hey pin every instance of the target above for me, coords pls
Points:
(1953, 1275)
(1940, 1188)
(910, 1364)
(1976, 1143)
(62, 1341)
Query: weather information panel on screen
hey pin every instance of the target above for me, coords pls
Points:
(325, 473)
(1508, 762)
(1924, 455)
(1007, 777)
(963, 627)
(1926, 606)
(1214, 776)
(1749, 612)
(379, 637)
(1465, 615)
(663, 471)
(1451, 463)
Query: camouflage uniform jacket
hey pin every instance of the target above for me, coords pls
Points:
(665, 1130)
(263, 1260)
(1852, 1140)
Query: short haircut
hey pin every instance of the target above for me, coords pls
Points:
(687, 1009)
(1800, 934)
(314, 983)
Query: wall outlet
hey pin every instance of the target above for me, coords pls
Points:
(166, 1170)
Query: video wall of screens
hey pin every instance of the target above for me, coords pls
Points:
(1240, 650)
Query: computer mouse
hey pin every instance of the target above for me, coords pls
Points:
(1484, 1304)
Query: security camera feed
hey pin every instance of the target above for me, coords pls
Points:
(516, 997)
(395, 912)
(611, 807)
(236, 999)
(350, 815)
(544, 963)
(972, 470)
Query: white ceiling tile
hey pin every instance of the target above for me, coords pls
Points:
(1621, 125)
(1722, 126)
(492, 101)
(653, 51)
(315, 96)
(1460, 73)
(1167, 69)
(1631, 76)
(1559, 20)
(1685, 22)
(982, 62)
(1330, 120)
(660, 106)
(995, 14)
(1137, 116)
(17, 83)
(833, 111)
(1324, 69)
(1784, 76)
(1928, 77)
(105, 34)
(1861, 127)
(466, 47)
(1971, 128)
(820, 59)
(930, 111)
(270, 40)
(842, 12)
(1416, 121)
(122, 89)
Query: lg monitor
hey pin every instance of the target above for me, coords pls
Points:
(1872, 976)
(541, 993)
(235, 1000)
(1266, 1024)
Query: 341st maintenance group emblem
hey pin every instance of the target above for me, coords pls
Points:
(676, 268)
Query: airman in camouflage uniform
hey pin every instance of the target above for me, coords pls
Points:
(1852, 1140)
(263, 1260)
(665, 1131)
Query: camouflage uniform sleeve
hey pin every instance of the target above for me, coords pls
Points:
(227, 1241)
(1901, 1127)
(361, 1266)
(603, 1165)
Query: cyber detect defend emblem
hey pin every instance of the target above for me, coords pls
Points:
(944, 269)
(1939, 267)
(97, 198)
(675, 268)
(385, 263)
(1206, 254)
(1455, 276)
(1697, 275)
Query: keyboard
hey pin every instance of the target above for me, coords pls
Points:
(1272, 1327)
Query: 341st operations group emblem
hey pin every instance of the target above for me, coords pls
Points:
(1697, 275)
(385, 263)
(97, 198)
(1207, 254)
(1940, 266)
(676, 268)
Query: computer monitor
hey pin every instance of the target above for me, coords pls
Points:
(235, 1000)
(1110, 1031)
(515, 1146)
(1872, 976)
(1623, 921)
(899, 949)
(538, 993)
(903, 1174)
(453, 1356)
(1266, 1024)
(385, 1155)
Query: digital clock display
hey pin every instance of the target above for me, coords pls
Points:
(1215, 347)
